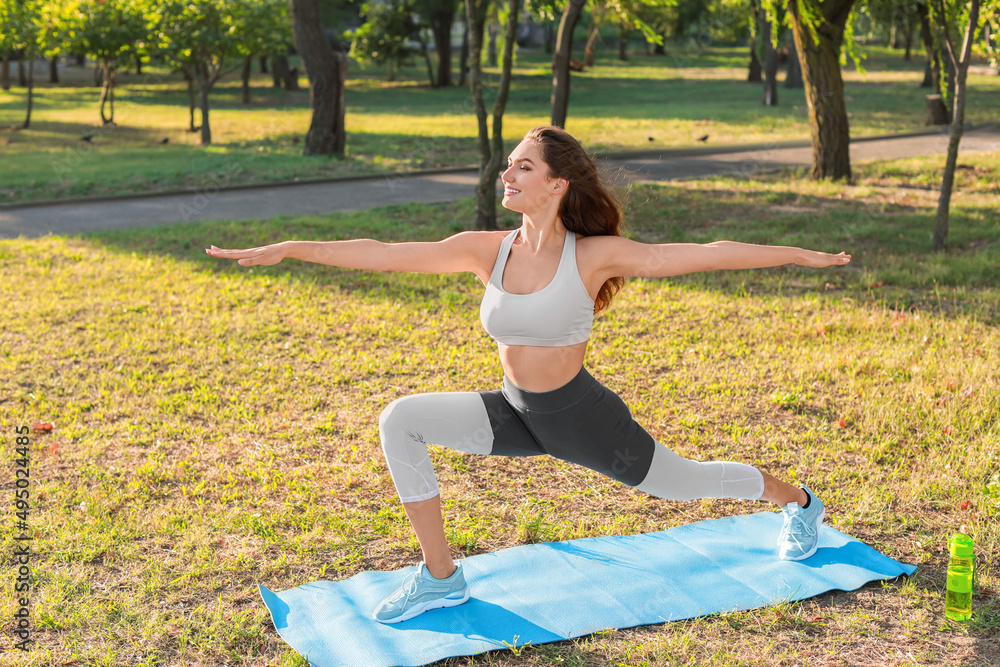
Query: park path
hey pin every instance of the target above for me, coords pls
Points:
(324, 197)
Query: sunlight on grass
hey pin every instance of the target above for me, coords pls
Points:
(647, 103)
(216, 427)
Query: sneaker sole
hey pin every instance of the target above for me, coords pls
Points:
(819, 522)
(440, 603)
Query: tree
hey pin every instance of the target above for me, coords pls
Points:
(383, 37)
(819, 27)
(20, 26)
(327, 70)
(897, 20)
(439, 16)
(991, 26)
(560, 61)
(9, 38)
(769, 29)
(491, 149)
(628, 16)
(598, 10)
(200, 37)
(945, 17)
(105, 30)
(932, 72)
(262, 27)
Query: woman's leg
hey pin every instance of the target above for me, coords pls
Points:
(674, 477)
(477, 423)
(428, 524)
(457, 420)
(781, 493)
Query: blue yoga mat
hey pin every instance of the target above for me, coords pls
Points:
(542, 593)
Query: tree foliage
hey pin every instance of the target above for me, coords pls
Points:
(199, 37)
(107, 31)
(952, 18)
(385, 35)
(20, 31)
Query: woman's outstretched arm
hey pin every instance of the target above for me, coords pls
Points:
(624, 257)
(466, 251)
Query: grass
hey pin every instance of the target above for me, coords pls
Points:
(216, 427)
(648, 102)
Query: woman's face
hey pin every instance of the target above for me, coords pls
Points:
(526, 184)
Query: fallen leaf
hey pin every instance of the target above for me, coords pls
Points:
(53, 447)
(842, 423)
(877, 283)
(966, 504)
(41, 426)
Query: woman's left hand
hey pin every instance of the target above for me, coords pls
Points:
(820, 260)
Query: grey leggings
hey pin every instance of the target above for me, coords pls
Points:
(582, 422)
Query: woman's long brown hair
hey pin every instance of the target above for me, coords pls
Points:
(588, 207)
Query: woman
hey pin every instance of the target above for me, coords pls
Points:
(544, 283)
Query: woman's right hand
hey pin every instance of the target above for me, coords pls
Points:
(262, 256)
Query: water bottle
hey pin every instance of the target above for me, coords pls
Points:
(958, 600)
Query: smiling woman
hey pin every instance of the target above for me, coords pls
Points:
(544, 283)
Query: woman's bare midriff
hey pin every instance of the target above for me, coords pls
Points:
(538, 369)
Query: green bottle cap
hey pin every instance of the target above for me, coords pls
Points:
(960, 545)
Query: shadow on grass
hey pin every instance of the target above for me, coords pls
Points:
(893, 266)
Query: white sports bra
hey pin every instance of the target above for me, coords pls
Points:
(559, 314)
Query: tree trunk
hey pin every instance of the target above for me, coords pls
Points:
(279, 70)
(825, 87)
(593, 35)
(54, 69)
(463, 56)
(491, 150)
(960, 65)
(932, 73)
(441, 22)
(108, 92)
(491, 47)
(770, 64)
(263, 65)
(793, 73)
(560, 61)
(204, 86)
(22, 79)
(327, 70)
(191, 100)
(623, 35)
(5, 71)
(31, 90)
(138, 64)
(245, 77)
(427, 59)
(755, 73)
(550, 38)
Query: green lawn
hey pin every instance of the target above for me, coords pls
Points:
(648, 102)
(216, 427)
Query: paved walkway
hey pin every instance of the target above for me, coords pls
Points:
(330, 196)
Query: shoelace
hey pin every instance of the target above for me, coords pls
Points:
(408, 589)
(795, 518)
